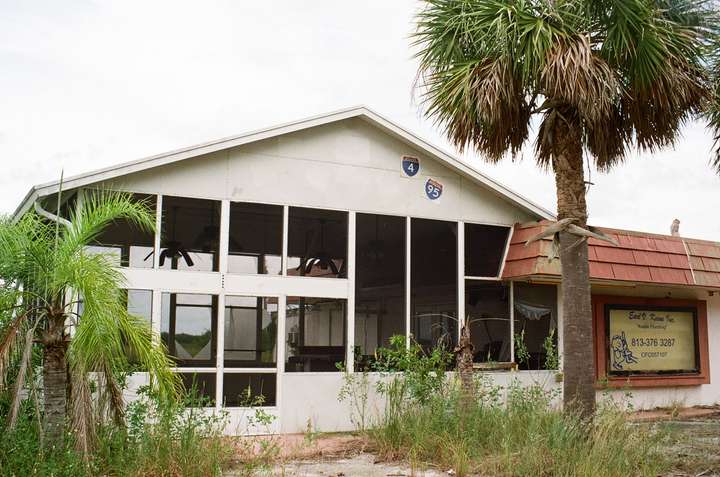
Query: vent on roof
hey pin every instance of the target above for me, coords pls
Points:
(675, 228)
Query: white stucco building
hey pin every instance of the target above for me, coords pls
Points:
(284, 251)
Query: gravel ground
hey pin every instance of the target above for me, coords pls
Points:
(360, 465)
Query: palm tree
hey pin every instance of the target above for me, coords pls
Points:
(45, 271)
(713, 111)
(600, 77)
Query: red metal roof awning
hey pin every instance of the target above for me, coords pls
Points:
(639, 257)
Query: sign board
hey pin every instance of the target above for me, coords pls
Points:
(651, 340)
(410, 165)
(433, 189)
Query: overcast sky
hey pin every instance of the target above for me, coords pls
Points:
(84, 85)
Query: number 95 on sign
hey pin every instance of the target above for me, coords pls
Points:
(433, 189)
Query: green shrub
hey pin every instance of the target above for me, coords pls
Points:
(21, 453)
(423, 373)
(161, 439)
(165, 439)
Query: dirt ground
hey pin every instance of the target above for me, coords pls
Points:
(694, 446)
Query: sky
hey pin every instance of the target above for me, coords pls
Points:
(88, 84)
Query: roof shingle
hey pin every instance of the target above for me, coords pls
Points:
(638, 257)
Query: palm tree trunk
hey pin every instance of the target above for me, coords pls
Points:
(55, 380)
(578, 363)
(464, 364)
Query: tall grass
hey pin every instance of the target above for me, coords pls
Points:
(522, 435)
(516, 431)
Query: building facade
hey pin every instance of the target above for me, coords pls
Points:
(285, 254)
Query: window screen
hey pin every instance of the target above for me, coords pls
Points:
(190, 235)
(317, 243)
(315, 330)
(484, 249)
(250, 331)
(255, 242)
(379, 282)
(433, 280)
(188, 328)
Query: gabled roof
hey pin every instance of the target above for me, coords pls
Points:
(361, 112)
(638, 258)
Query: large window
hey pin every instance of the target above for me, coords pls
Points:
(535, 326)
(255, 243)
(379, 282)
(188, 327)
(487, 310)
(433, 282)
(316, 334)
(190, 235)
(317, 243)
(250, 331)
(484, 249)
(124, 243)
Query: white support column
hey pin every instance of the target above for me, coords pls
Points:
(223, 267)
(350, 351)
(286, 213)
(282, 312)
(560, 327)
(156, 314)
(408, 302)
(224, 236)
(158, 231)
(512, 322)
(220, 354)
(461, 276)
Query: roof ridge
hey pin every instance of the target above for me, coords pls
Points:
(387, 126)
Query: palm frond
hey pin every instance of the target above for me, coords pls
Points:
(21, 376)
(10, 342)
(480, 105)
(575, 75)
(81, 411)
(106, 330)
(469, 79)
(99, 209)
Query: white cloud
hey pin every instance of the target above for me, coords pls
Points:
(86, 84)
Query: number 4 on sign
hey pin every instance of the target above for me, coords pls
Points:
(410, 165)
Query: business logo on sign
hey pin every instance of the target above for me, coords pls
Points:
(433, 189)
(410, 165)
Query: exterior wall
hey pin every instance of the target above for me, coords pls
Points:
(309, 401)
(348, 165)
(701, 395)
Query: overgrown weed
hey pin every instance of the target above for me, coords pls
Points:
(517, 431)
(161, 439)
